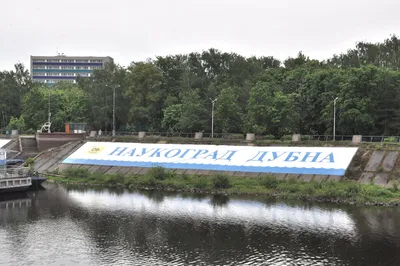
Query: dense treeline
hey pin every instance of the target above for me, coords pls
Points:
(256, 94)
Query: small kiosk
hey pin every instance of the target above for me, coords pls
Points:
(75, 128)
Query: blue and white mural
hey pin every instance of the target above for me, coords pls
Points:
(292, 160)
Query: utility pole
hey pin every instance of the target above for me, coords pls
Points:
(212, 116)
(334, 118)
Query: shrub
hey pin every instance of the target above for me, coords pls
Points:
(306, 137)
(374, 191)
(307, 189)
(111, 180)
(269, 137)
(120, 178)
(201, 182)
(269, 181)
(221, 181)
(29, 162)
(158, 173)
(353, 188)
(56, 171)
(390, 139)
(99, 177)
(77, 173)
(114, 179)
(288, 187)
(151, 182)
(332, 191)
(395, 187)
(317, 185)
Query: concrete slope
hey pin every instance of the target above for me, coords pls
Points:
(381, 167)
(50, 160)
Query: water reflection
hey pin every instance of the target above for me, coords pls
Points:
(116, 227)
(14, 206)
(221, 209)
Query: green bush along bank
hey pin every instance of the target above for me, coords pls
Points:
(346, 191)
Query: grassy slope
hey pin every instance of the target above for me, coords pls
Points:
(159, 178)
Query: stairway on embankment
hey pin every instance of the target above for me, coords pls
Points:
(378, 165)
(27, 147)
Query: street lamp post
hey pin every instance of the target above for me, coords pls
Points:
(334, 117)
(113, 109)
(113, 130)
(49, 114)
(212, 116)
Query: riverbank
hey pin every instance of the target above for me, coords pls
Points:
(346, 191)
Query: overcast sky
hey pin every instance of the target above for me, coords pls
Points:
(130, 30)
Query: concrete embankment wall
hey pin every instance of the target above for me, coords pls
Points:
(381, 167)
(47, 141)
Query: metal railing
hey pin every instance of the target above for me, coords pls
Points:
(14, 172)
(241, 136)
(236, 136)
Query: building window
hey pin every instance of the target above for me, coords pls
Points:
(67, 67)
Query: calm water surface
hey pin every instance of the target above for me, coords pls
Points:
(71, 226)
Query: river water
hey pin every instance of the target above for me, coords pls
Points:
(75, 226)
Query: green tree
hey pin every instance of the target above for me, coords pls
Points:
(270, 111)
(14, 85)
(99, 97)
(194, 114)
(146, 96)
(229, 116)
(67, 104)
(172, 116)
(17, 123)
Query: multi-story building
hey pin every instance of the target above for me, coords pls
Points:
(52, 69)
